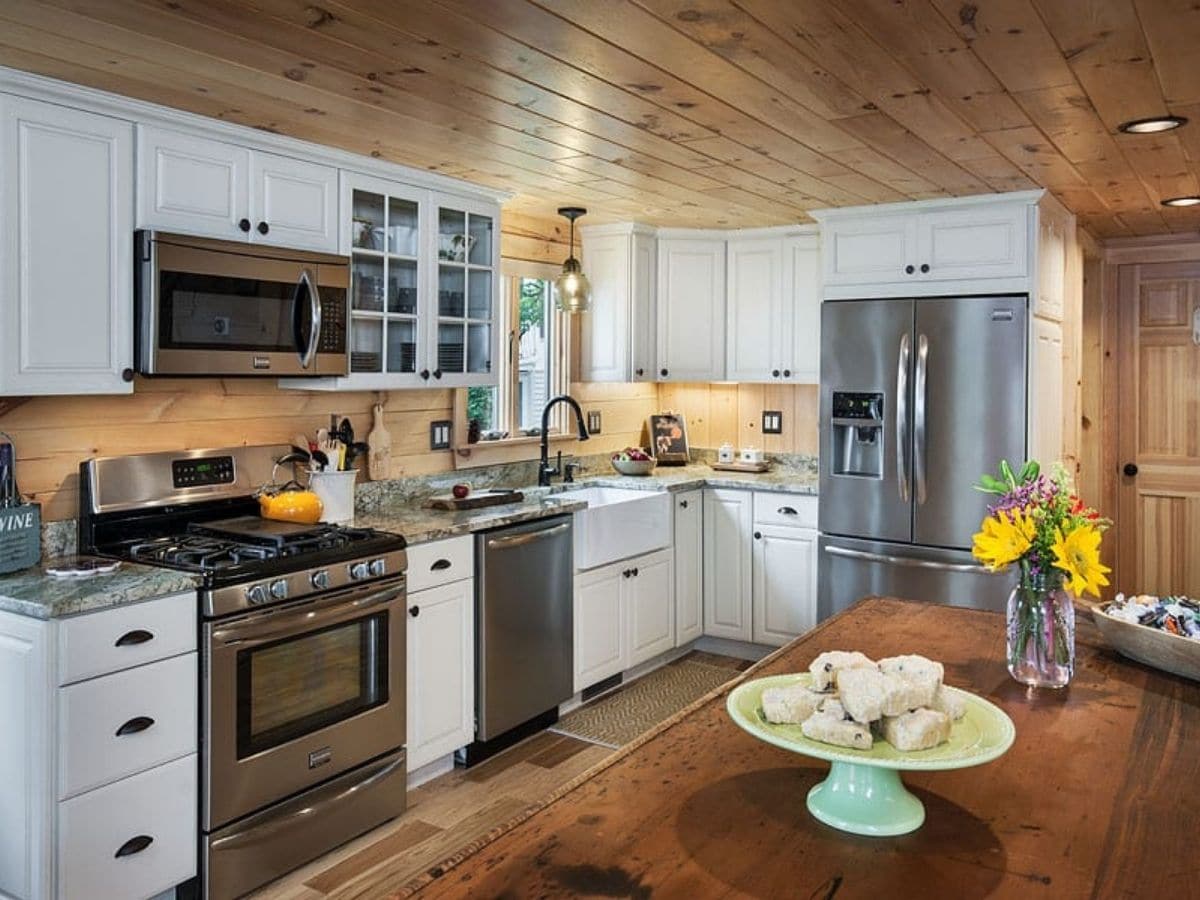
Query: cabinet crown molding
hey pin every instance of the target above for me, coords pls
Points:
(910, 207)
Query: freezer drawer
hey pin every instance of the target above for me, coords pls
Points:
(848, 570)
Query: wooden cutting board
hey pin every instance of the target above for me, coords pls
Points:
(757, 468)
(474, 500)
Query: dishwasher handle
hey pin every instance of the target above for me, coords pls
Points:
(520, 540)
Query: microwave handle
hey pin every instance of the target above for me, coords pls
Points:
(314, 336)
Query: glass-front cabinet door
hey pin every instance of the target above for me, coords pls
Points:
(385, 240)
(465, 338)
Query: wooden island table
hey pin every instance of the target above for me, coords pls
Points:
(1094, 799)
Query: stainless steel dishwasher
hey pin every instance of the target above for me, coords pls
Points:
(524, 623)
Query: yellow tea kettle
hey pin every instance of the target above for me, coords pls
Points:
(290, 502)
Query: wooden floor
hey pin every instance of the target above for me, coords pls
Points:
(448, 813)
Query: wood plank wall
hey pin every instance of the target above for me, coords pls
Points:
(717, 413)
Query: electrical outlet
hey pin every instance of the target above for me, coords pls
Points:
(593, 421)
(772, 422)
(439, 434)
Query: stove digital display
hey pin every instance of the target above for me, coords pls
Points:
(188, 473)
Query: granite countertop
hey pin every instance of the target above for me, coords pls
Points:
(31, 592)
(699, 475)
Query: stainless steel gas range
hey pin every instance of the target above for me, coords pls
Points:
(302, 636)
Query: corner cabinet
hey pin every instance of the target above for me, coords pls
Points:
(691, 308)
(66, 207)
(617, 334)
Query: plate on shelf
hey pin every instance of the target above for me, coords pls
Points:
(863, 793)
(361, 361)
(450, 357)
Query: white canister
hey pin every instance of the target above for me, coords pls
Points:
(751, 455)
(725, 453)
(336, 490)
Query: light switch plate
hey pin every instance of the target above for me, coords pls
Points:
(593, 421)
(439, 434)
(772, 422)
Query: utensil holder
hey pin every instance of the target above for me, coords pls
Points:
(336, 490)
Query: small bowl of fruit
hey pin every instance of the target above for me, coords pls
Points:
(633, 461)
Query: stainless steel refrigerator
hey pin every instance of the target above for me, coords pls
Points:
(918, 398)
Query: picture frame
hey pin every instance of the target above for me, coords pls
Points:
(668, 438)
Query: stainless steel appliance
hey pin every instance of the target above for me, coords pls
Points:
(207, 307)
(302, 655)
(524, 615)
(918, 399)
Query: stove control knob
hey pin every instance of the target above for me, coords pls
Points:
(256, 594)
(279, 589)
(359, 570)
(378, 567)
(320, 579)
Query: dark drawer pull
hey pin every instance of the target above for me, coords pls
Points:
(635, 571)
(787, 511)
(683, 503)
(414, 611)
(132, 638)
(134, 725)
(134, 845)
(440, 564)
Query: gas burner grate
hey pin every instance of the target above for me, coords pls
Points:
(205, 554)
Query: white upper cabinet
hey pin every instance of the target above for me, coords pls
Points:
(293, 203)
(691, 309)
(217, 189)
(924, 248)
(755, 315)
(802, 334)
(617, 333)
(66, 260)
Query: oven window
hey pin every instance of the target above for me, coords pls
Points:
(210, 312)
(301, 684)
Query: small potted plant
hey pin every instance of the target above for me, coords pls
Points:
(1039, 524)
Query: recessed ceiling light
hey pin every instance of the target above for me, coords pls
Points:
(1190, 200)
(1152, 125)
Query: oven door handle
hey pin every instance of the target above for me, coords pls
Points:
(308, 283)
(269, 628)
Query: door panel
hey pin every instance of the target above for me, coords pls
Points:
(754, 323)
(727, 586)
(870, 251)
(441, 671)
(974, 243)
(1157, 525)
(599, 625)
(691, 309)
(689, 571)
(651, 607)
(973, 399)
(191, 185)
(297, 200)
(785, 602)
(861, 351)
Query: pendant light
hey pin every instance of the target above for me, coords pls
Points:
(573, 293)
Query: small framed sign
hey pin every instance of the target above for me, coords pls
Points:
(668, 439)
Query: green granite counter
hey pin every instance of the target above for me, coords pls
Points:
(31, 592)
(419, 524)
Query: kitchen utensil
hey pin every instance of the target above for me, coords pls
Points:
(321, 459)
(863, 793)
(336, 490)
(1170, 652)
(753, 468)
(354, 452)
(379, 444)
(292, 504)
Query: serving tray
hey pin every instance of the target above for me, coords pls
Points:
(1160, 649)
(474, 500)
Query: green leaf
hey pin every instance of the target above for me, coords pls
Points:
(1030, 470)
(1007, 473)
(991, 485)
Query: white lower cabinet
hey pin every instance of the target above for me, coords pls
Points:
(728, 515)
(440, 669)
(785, 583)
(650, 601)
(689, 566)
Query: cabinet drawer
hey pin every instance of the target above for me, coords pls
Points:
(797, 510)
(440, 562)
(97, 826)
(102, 642)
(155, 705)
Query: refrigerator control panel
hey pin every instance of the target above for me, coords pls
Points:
(848, 405)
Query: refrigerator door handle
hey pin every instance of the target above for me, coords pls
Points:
(908, 561)
(902, 417)
(919, 398)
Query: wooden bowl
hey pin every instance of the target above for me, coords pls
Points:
(634, 466)
(1159, 649)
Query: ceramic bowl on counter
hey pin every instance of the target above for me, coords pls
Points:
(633, 461)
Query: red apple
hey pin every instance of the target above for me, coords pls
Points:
(461, 491)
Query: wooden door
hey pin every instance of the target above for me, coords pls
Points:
(1158, 508)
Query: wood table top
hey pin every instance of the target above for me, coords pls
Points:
(1092, 800)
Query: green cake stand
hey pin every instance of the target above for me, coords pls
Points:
(863, 793)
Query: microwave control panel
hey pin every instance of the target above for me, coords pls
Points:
(187, 473)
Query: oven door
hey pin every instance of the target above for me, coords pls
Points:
(216, 308)
(299, 694)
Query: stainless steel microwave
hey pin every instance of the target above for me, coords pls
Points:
(207, 307)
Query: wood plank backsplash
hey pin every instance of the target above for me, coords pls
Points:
(721, 412)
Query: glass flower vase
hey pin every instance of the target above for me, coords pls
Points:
(1041, 631)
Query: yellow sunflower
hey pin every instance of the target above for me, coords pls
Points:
(1078, 554)
(1003, 538)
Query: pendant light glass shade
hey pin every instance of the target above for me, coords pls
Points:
(573, 292)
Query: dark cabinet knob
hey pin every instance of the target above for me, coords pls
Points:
(425, 374)
(758, 535)
(244, 225)
(635, 572)
(787, 373)
(131, 638)
(1130, 469)
(908, 270)
(437, 373)
(134, 725)
(414, 611)
(134, 845)
(774, 373)
(683, 503)
(263, 227)
(640, 372)
(627, 573)
(127, 374)
(924, 267)
(663, 373)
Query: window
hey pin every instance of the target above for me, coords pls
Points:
(533, 369)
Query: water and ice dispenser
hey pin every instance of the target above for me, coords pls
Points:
(857, 424)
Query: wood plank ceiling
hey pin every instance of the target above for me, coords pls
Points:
(681, 112)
